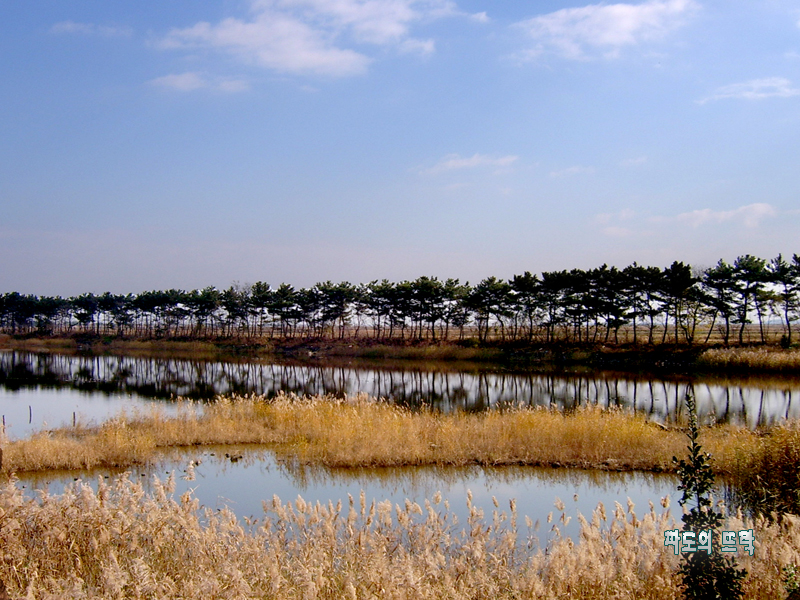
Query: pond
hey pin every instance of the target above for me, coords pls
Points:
(40, 390)
(244, 484)
(44, 390)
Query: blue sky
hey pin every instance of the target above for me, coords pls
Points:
(191, 143)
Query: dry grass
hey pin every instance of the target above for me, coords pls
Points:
(441, 351)
(159, 347)
(43, 344)
(762, 359)
(120, 542)
(193, 349)
(362, 432)
(767, 476)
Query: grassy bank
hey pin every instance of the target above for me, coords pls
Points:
(664, 357)
(770, 359)
(120, 542)
(188, 349)
(363, 432)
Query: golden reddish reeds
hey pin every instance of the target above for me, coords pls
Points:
(120, 542)
(361, 431)
(762, 359)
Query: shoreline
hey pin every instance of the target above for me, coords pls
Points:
(364, 432)
(662, 358)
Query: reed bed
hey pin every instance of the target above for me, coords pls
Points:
(120, 542)
(363, 432)
(359, 432)
(762, 359)
(767, 477)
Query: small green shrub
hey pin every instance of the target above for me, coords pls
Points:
(705, 576)
(791, 579)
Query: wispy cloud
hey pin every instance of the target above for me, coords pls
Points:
(633, 162)
(627, 222)
(626, 214)
(756, 89)
(71, 27)
(191, 81)
(750, 215)
(604, 29)
(575, 170)
(613, 224)
(423, 47)
(310, 36)
(453, 162)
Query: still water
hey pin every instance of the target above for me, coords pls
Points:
(257, 477)
(46, 390)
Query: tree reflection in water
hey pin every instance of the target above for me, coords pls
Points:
(749, 401)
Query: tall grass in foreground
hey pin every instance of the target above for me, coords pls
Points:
(120, 542)
(767, 478)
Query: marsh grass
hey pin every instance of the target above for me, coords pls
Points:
(363, 432)
(442, 351)
(767, 477)
(761, 359)
(120, 542)
(359, 432)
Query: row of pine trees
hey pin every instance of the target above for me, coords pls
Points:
(739, 302)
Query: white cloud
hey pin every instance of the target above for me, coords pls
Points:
(371, 21)
(309, 36)
(273, 41)
(750, 215)
(232, 86)
(633, 162)
(627, 222)
(423, 47)
(575, 170)
(626, 214)
(580, 33)
(188, 82)
(614, 231)
(183, 82)
(91, 29)
(453, 162)
(756, 89)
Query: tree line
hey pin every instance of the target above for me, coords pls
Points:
(676, 304)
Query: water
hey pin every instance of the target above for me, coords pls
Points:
(256, 477)
(45, 390)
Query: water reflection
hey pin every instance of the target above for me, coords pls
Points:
(243, 486)
(749, 401)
